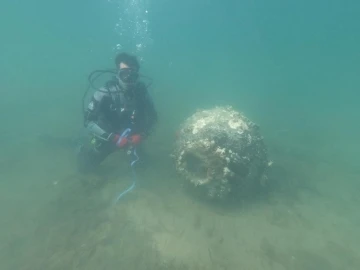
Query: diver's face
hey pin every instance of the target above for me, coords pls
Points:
(127, 75)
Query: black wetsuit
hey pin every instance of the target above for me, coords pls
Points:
(111, 111)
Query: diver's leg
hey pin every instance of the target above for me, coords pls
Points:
(90, 155)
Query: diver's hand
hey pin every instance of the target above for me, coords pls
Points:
(121, 142)
(118, 140)
(135, 139)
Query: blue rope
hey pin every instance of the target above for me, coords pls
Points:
(125, 134)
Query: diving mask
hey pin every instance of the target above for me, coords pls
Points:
(128, 75)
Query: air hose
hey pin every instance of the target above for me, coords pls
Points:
(133, 162)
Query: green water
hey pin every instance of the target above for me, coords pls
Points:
(292, 67)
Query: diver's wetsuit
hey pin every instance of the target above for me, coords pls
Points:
(111, 111)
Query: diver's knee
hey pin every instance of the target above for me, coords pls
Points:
(84, 161)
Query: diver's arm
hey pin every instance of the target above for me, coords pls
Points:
(98, 131)
(91, 116)
(151, 116)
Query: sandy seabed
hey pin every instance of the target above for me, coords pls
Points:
(53, 218)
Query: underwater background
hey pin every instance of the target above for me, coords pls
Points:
(290, 66)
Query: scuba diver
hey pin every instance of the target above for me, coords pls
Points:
(122, 104)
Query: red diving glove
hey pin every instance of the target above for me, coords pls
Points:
(123, 141)
(119, 141)
(135, 139)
